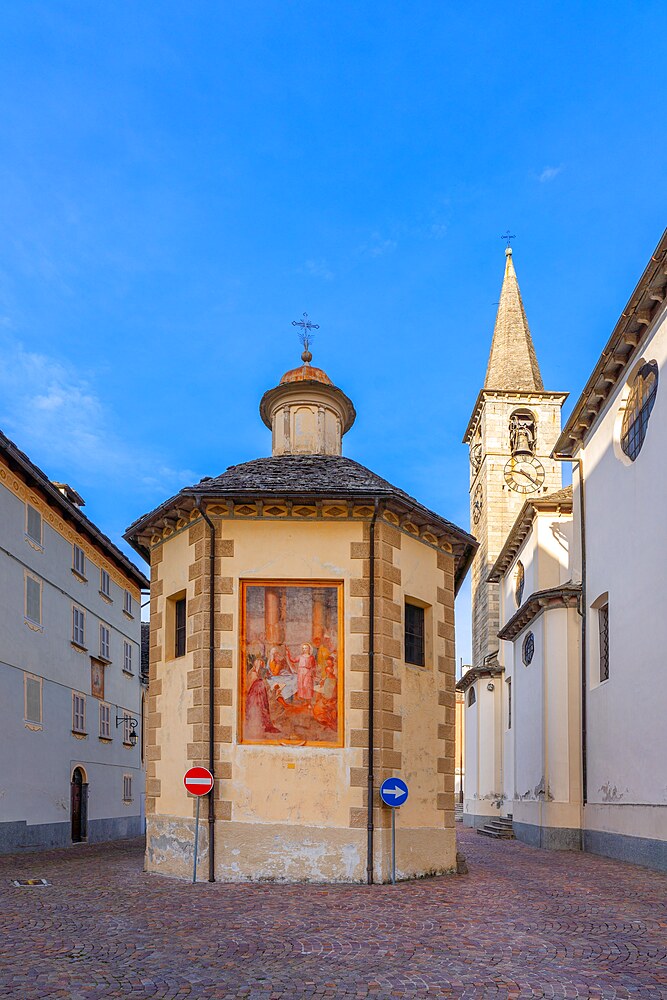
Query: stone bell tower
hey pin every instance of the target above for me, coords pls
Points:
(514, 426)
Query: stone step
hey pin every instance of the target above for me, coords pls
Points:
(496, 834)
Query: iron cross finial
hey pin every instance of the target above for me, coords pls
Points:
(506, 236)
(305, 335)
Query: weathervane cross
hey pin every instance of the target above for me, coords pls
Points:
(305, 335)
(506, 236)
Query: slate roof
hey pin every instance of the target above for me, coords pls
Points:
(303, 478)
(38, 479)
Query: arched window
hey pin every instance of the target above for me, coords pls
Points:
(523, 433)
(519, 582)
(638, 409)
(472, 697)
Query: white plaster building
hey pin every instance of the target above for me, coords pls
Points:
(565, 725)
(70, 667)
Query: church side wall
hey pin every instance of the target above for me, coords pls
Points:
(626, 541)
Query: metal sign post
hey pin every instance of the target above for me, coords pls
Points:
(393, 792)
(194, 865)
(198, 781)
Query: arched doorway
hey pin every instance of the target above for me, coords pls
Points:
(79, 805)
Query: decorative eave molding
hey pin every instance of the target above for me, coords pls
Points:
(566, 596)
(557, 503)
(643, 308)
(523, 397)
(492, 669)
(413, 520)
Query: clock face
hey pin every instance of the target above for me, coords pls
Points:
(525, 475)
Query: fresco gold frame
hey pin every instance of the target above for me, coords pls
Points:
(337, 585)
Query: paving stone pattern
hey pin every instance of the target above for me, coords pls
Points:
(523, 923)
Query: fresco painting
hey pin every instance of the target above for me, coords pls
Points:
(291, 664)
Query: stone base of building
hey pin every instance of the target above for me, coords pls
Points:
(635, 850)
(477, 820)
(552, 838)
(22, 836)
(267, 852)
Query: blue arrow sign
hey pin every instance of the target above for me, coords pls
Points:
(393, 792)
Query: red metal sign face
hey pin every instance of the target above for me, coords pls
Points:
(198, 781)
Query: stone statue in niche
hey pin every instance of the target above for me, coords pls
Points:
(522, 433)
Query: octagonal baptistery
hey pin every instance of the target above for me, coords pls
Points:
(294, 600)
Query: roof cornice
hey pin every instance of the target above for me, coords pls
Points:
(623, 347)
(40, 481)
(566, 596)
(485, 670)
(560, 502)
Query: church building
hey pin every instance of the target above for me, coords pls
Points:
(565, 732)
(302, 649)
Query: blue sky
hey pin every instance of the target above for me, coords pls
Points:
(180, 181)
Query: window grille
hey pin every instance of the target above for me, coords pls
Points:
(603, 625)
(105, 642)
(33, 600)
(105, 722)
(127, 657)
(34, 525)
(414, 635)
(78, 626)
(79, 713)
(638, 409)
(509, 703)
(78, 561)
(179, 638)
(105, 583)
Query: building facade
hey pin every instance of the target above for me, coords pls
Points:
(302, 648)
(567, 724)
(70, 667)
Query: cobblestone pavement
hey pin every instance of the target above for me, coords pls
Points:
(523, 923)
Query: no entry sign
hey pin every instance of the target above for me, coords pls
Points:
(198, 781)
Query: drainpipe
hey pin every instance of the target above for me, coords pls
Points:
(371, 699)
(211, 700)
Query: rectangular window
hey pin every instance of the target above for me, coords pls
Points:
(33, 699)
(127, 602)
(105, 583)
(127, 727)
(127, 788)
(603, 625)
(414, 635)
(105, 722)
(78, 561)
(78, 626)
(78, 713)
(509, 703)
(179, 623)
(127, 657)
(105, 642)
(33, 599)
(33, 524)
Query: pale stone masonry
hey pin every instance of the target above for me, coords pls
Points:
(289, 809)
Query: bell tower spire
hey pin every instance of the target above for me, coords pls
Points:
(514, 426)
(512, 361)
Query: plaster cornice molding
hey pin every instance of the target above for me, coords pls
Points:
(566, 596)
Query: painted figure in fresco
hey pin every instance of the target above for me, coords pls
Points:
(257, 712)
(306, 667)
(325, 708)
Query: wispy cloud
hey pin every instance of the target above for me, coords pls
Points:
(377, 246)
(52, 409)
(317, 269)
(549, 173)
